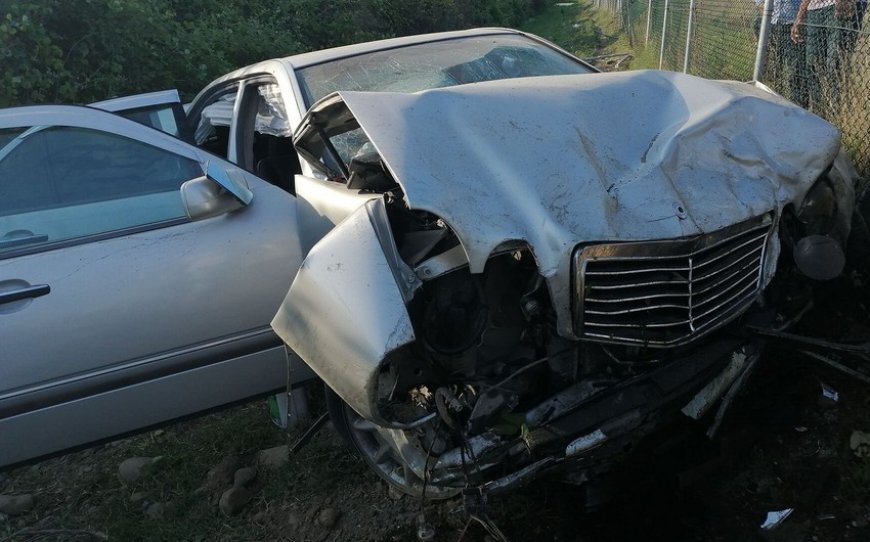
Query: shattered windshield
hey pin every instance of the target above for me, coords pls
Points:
(437, 64)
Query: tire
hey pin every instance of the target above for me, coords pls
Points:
(378, 447)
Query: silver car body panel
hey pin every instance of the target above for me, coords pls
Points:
(149, 99)
(128, 309)
(345, 311)
(556, 162)
(322, 205)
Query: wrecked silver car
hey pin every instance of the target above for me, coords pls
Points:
(546, 270)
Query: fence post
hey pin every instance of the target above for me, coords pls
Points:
(763, 42)
(648, 22)
(689, 36)
(664, 31)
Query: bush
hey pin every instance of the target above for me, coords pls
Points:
(78, 51)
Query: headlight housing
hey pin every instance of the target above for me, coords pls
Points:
(819, 254)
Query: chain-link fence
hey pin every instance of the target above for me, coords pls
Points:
(821, 63)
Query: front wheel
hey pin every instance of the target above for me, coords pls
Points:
(394, 455)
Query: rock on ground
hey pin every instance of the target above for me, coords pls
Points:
(244, 476)
(221, 475)
(132, 469)
(233, 500)
(328, 517)
(14, 505)
(156, 510)
(273, 458)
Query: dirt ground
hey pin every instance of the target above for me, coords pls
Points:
(784, 445)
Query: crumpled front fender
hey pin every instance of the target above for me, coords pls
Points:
(345, 311)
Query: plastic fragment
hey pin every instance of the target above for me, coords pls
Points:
(775, 518)
(425, 530)
(830, 393)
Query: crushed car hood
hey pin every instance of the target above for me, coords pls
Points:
(559, 161)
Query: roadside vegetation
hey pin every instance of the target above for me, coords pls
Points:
(79, 51)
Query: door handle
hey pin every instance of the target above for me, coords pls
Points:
(37, 290)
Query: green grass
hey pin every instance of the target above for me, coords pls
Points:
(570, 27)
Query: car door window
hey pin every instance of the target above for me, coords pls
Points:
(265, 136)
(213, 122)
(60, 183)
(167, 118)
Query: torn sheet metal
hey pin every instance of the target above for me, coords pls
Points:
(345, 311)
(558, 161)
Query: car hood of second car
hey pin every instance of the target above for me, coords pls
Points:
(566, 160)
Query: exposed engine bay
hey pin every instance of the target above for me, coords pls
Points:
(467, 349)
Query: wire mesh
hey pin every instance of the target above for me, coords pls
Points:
(825, 67)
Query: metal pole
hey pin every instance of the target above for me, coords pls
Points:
(664, 31)
(763, 42)
(648, 22)
(689, 36)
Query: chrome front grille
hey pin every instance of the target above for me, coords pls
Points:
(668, 293)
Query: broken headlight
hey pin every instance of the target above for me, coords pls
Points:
(819, 254)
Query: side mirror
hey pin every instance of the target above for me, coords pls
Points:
(204, 198)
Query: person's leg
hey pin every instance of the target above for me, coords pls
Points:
(775, 75)
(792, 60)
(816, 54)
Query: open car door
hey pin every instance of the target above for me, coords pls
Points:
(161, 110)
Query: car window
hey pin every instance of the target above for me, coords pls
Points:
(167, 118)
(269, 136)
(437, 64)
(59, 183)
(212, 131)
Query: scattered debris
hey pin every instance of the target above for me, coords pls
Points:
(425, 530)
(273, 458)
(244, 476)
(775, 518)
(830, 393)
(132, 469)
(15, 505)
(309, 433)
(859, 441)
(233, 500)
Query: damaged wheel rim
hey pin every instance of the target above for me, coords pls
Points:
(395, 456)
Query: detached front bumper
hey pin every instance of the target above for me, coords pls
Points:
(601, 430)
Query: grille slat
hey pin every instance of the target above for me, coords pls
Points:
(748, 267)
(667, 293)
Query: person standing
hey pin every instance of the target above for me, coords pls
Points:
(823, 25)
(788, 59)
